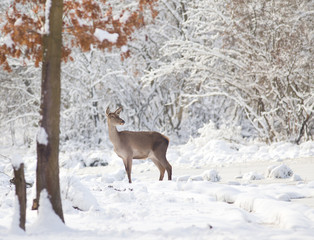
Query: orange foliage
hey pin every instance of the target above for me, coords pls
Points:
(81, 18)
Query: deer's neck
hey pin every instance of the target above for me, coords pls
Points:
(113, 134)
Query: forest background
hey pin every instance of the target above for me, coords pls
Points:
(246, 64)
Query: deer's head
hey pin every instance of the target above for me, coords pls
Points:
(113, 118)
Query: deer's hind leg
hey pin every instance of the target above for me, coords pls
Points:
(168, 168)
(160, 155)
(160, 167)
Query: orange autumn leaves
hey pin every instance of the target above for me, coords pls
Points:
(24, 21)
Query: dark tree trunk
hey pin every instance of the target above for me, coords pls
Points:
(48, 152)
(20, 191)
(302, 129)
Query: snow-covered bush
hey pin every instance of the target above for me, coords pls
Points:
(259, 78)
(79, 195)
(211, 175)
(81, 159)
(280, 171)
(230, 133)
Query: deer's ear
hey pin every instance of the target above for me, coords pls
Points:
(107, 111)
(118, 110)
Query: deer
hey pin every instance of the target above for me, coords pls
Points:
(130, 145)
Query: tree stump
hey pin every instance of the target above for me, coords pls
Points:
(20, 191)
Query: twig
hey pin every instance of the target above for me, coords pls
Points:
(5, 157)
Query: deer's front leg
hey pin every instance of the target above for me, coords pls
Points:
(128, 167)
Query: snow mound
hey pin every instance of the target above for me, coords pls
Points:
(96, 159)
(252, 176)
(311, 184)
(80, 196)
(119, 175)
(183, 178)
(225, 144)
(211, 175)
(296, 178)
(195, 178)
(16, 161)
(80, 159)
(281, 171)
(47, 221)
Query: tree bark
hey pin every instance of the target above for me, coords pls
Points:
(302, 129)
(48, 151)
(20, 191)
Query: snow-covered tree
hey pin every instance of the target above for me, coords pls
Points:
(273, 41)
(245, 62)
(19, 106)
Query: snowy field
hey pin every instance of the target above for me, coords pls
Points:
(220, 190)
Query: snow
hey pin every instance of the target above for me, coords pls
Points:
(18, 22)
(252, 176)
(47, 12)
(102, 35)
(47, 221)
(224, 145)
(42, 136)
(125, 17)
(211, 175)
(296, 177)
(16, 161)
(124, 48)
(281, 171)
(223, 187)
(236, 192)
(15, 228)
(8, 41)
(79, 195)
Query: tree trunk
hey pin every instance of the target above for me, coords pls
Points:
(48, 149)
(20, 191)
(302, 129)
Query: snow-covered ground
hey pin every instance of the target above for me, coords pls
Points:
(220, 190)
